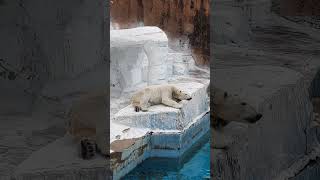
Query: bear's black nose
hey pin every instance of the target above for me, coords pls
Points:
(258, 116)
(189, 99)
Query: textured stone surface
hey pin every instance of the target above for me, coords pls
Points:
(155, 143)
(296, 7)
(284, 102)
(310, 171)
(275, 71)
(229, 22)
(138, 56)
(186, 22)
(138, 36)
(141, 56)
(174, 144)
(160, 132)
(43, 42)
(125, 159)
(61, 159)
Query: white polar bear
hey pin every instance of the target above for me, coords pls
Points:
(227, 108)
(158, 94)
(88, 124)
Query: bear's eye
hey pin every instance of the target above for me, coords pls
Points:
(243, 103)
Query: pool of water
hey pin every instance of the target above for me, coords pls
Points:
(195, 164)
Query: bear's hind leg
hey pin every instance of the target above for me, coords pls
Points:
(145, 104)
(171, 103)
(137, 108)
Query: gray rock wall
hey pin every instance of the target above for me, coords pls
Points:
(282, 143)
(266, 148)
(229, 23)
(43, 41)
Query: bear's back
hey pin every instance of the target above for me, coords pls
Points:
(158, 92)
(153, 93)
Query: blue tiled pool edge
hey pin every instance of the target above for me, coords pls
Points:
(186, 139)
(197, 157)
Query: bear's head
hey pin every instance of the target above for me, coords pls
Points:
(231, 108)
(180, 95)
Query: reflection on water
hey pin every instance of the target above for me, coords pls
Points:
(194, 165)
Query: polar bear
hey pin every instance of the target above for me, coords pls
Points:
(227, 108)
(158, 94)
(88, 124)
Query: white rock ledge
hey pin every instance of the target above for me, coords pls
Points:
(168, 118)
(168, 133)
(60, 160)
(168, 144)
(137, 36)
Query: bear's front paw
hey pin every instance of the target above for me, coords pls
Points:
(88, 149)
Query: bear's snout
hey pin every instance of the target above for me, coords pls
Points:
(189, 98)
(258, 116)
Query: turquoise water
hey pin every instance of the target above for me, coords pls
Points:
(194, 165)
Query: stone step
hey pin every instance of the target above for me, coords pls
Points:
(173, 144)
(126, 154)
(60, 159)
(161, 132)
(168, 118)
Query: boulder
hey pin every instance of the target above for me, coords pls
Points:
(138, 56)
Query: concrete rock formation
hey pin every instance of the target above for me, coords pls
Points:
(146, 48)
(50, 53)
(275, 70)
(161, 132)
(296, 7)
(181, 20)
(141, 56)
(47, 41)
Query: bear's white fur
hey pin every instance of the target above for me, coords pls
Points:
(227, 107)
(158, 94)
(88, 119)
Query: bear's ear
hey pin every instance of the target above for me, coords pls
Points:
(225, 95)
